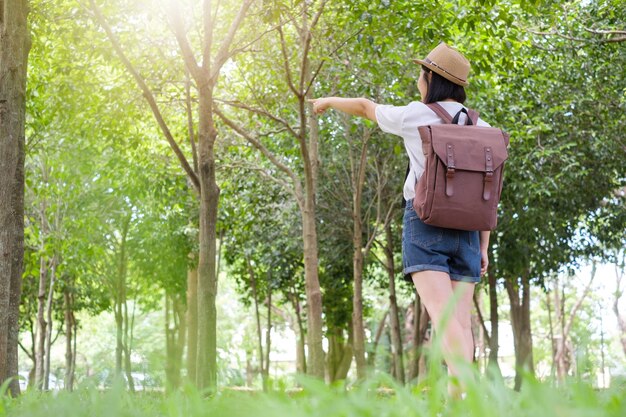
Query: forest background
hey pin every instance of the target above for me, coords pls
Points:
(187, 217)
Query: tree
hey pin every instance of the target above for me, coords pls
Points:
(14, 48)
(215, 52)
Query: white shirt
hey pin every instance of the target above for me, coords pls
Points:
(403, 121)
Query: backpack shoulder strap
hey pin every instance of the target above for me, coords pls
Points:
(441, 112)
(473, 115)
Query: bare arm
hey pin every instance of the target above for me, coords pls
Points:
(484, 251)
(361, 107)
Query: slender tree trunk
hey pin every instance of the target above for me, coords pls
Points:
(127, 343)
(563, 360)
(48, 341)
(179, 311)
(494, 342)
(268, 340)
(14, 47)
(119, 348)
(357, 176)
(396, 335)
(419, 327)
(257, 315)
(357, 296)
(69, 338)
(519, 296)
(300, 343)
(315, 362)
(559, 344)
(40, 332)
(551, 333)
(379, 333)
(621, 320)
(174, 339)
(120, 300)
(315, 365)
(339, 355)
(192, 323)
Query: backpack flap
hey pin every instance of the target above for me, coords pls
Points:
(475, 148)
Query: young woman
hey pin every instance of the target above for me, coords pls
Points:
(440, 262)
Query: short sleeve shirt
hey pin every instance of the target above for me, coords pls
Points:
(403, 121)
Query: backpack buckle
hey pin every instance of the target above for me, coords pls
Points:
(488, 180)
(450, 170)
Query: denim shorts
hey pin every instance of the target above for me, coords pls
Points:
(431, 248)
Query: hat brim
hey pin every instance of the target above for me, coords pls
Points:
(439, 71)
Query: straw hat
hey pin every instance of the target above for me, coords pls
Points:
(447, 62)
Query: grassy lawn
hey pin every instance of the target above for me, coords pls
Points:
(377, 397)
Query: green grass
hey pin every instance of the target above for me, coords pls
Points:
(377, 397)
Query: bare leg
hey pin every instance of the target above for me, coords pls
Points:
(435, 290)
(463, 313)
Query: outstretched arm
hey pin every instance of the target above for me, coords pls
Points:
(361, 107)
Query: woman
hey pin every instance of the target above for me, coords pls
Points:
(440, 262)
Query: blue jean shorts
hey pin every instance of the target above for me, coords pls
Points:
(431, 248)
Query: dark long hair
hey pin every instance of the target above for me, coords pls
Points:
(440, 89)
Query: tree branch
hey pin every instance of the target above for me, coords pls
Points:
(192, 135)
(222, 54)
(307, 43)
(258, 145)
(579, 302)
(29, 354)
(265, 113)
(283, 48)
(176, 22)
(208, 23)
(553, 32)
(334, 51)
(148, 96)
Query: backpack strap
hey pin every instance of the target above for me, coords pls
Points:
(445, 116)
(473, 115)
(441, 112)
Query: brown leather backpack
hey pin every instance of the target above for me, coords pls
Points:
(462, 180)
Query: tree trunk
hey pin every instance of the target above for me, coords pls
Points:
(559, 343)
(494, 343)
(40, 332)
(48, 341)
(119, 300)
(174, 339)
(206, 359)
(192, 323)
(69, 338)
(396, 335)
(300, 343)
(315, 362)
(621, 320)
(563, 356)
(119, 348)
(339, 355)
(519, 296)
(268, 340)
(418, 322)
(14, 47)
(315, 365)
(257, 316)
(127, 343)
(379, 333)
(357, 296)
